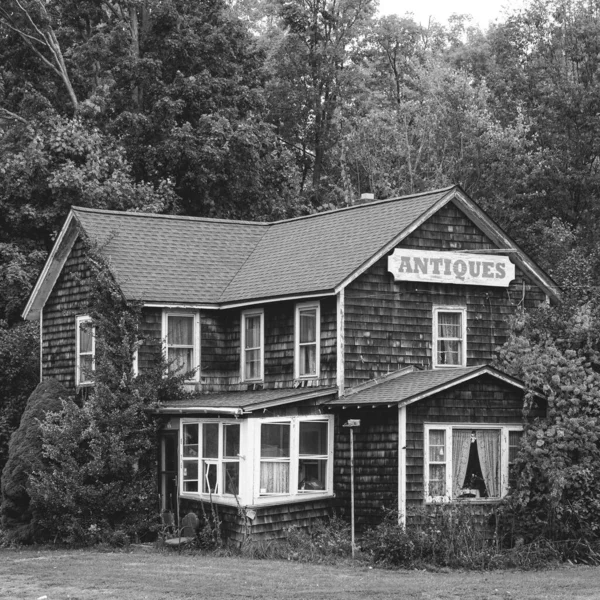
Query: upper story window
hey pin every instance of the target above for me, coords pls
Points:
(85, 351)
(211, 457)
(449, 336)
(252, 355)
(469, 462)
(307, 340)
(181, 338)
(296, 456)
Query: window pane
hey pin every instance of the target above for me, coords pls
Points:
(180, 360)
(275, 440)
(231, 477)
(449, 352)
(180, 331)
(308, 326)
(231, 440)
(85, 336)
(437, 480)
(437, 445)
(252, 334)
(86, 368)
(209, 480)
(190, 440)
(210, 440)
(190, 476)
(449, 325)
(308, 360)
(313, 438)
(514, 444)
(252, 364)
(274, 477)
(312, 474)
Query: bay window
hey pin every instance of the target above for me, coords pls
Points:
(449, 337)
(210, 453)
(252, 355)
(85, 351)
(307, 340)
(469, 462)
(181, 335)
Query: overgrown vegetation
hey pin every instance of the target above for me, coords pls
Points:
(95, 480)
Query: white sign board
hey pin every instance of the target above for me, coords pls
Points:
(460, 268)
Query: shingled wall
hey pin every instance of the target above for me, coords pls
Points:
(388, 325)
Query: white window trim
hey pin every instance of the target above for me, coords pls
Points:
(448, 427)
(299, 308)
(222, 497)
(295, 495)
(434, 344)
(78, 322)
(165, 329)
(245, 314)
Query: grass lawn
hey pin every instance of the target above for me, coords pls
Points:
(85, 574)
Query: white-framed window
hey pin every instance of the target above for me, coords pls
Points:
(449, 339)
(210, 457)
(307, 346)
(295, 456)
(469, 461)
(181, 342)
(85, 343)
(252, 345)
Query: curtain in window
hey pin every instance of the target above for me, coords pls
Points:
(252, 347)
(180, 333)
(275, 477)
(461, 447)
(449, 328)
(488, 446)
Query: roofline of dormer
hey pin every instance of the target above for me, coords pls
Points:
(52, 268)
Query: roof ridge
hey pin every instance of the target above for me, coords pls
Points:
(364, 205)
(105, 211)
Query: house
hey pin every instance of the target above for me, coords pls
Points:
(387, 312)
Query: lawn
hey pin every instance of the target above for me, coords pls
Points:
(54, 575)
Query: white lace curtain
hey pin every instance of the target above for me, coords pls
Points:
(461, 447)
(488, 446)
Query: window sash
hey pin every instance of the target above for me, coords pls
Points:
(439, 484)
(449, 337)
(85, 342)
(298, 464)
(209, 465)
(307, 340)
(252, 355)
(181, 338)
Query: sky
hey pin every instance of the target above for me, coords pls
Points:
(483, 11)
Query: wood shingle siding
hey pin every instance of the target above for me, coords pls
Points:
(388, 325)
(68, 299)
(375, 464)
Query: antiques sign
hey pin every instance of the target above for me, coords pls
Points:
(451, 267)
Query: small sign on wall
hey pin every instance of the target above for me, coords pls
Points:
(459, 268)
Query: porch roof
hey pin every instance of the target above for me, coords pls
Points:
(244, 402)
(410, 385)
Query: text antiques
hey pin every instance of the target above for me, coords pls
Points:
(451, 267)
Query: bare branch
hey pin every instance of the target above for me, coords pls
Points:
(10, 116)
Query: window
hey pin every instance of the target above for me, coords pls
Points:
(295, 457)
(181, 335)
(514, 445)
(252, 345)
(211, 457)
(307, 340)
(85, 350)
(469, 462)
(449, 337)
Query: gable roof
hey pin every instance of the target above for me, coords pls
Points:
(412, 385)
(173, 260)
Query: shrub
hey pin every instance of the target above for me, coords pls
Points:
(19, 518)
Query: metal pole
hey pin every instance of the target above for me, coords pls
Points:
(352, 486)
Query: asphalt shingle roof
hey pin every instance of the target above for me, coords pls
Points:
(246, 400)
(413, 385)
(170, 259)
